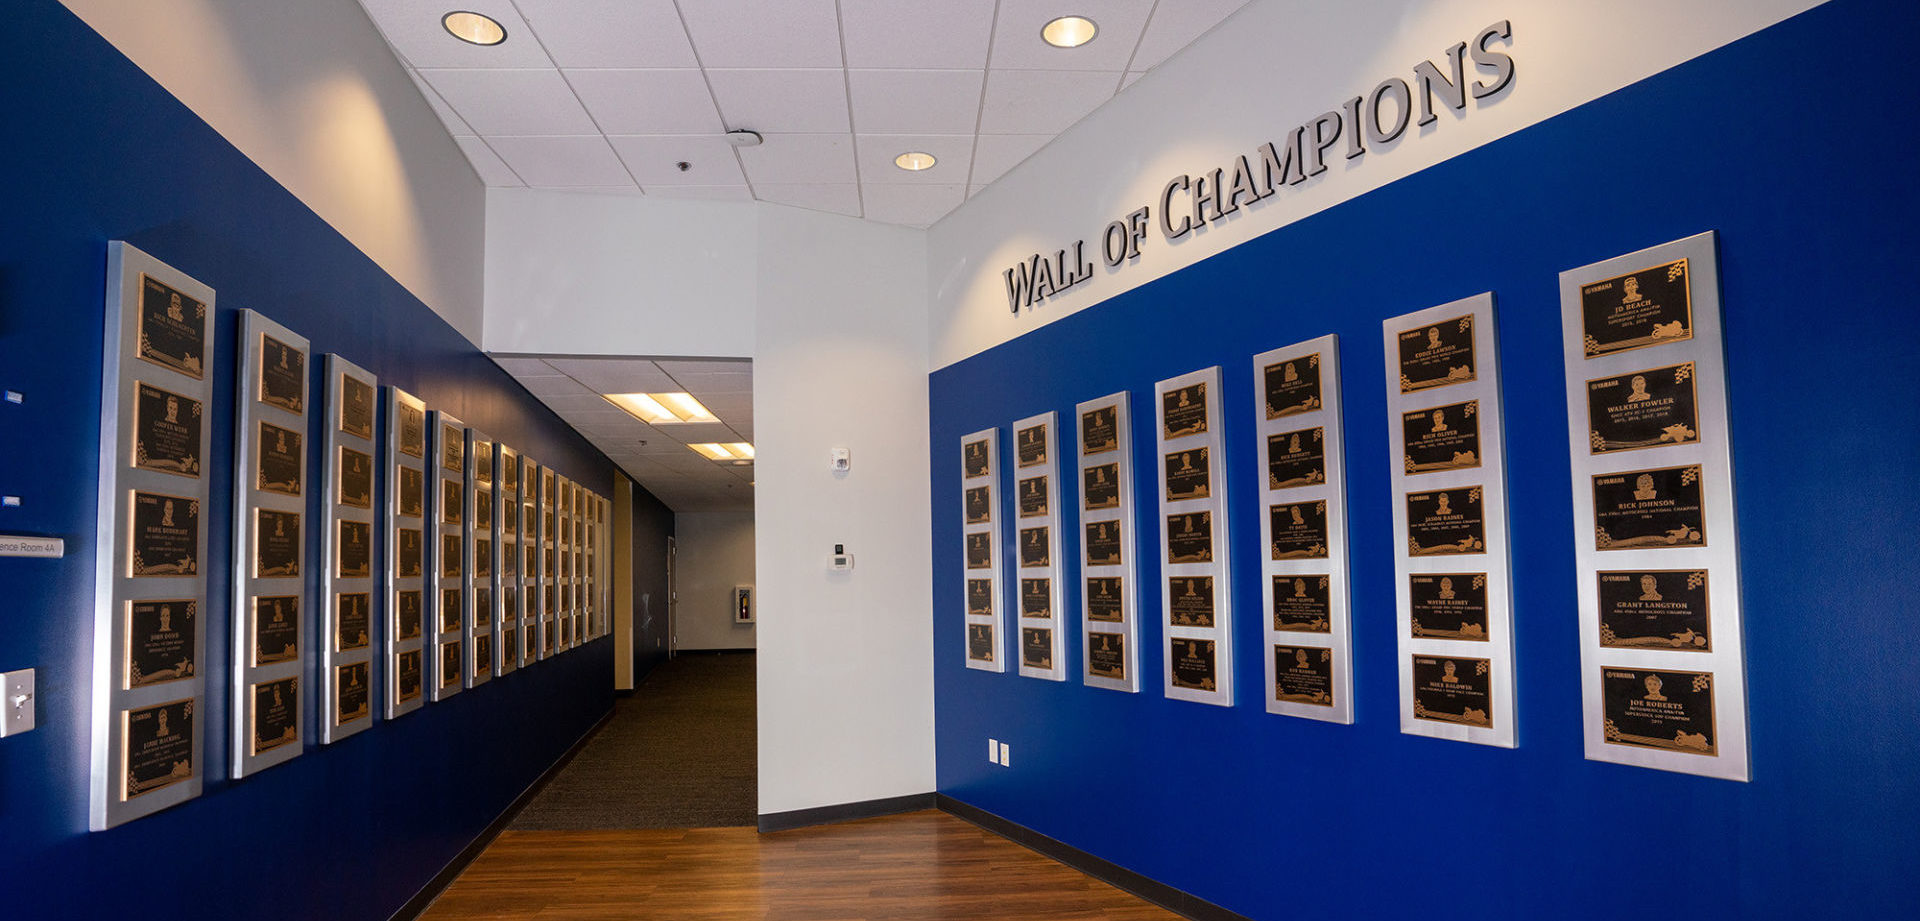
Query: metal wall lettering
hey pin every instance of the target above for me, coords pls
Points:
(1196, 601)
(349, 581)
(1109, 592)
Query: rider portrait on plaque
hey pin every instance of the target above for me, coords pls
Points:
(1190, 601)
(350, 693)
(1665, 710)
(1296, 459)
(353, 625)
(172, 329)
(1303, 675)
(1035, 547)
(1443, 522)
(1655, 609)
(483, 509)
(407, 613)
(1299, 530)
(449, 664)
(1036, 647)
(356, 407)
(156, 747)
(356, 478)
(1292, 386)
(1449, 606)
(483, 462)
(979, 504)
(1103, 543)
(979, 551)
(276, 714)
(1100, 430)
(1302, 604)
(409, 555)
(974, 459)
(980, 642)
(407, 674)
(276, 629)
(1100, 486)
(1190, 537)
(1030, 445)
(1645, 409)
(1451, 689)
(453, 507)
(450, 556)
(1187, 475)
(1193, 664)
(453, 449)
(412, 501)
(281, 460)
(1442, 438)
(1036, 598)
(355, 550)
(1033, 497)
(1650, 307)
(1649, 508)
(166, 536)
(1107, 655)
(1183, 411)
(166, 431)
(1437, 355)
(413, 430)
(283, 375)
(276, 543)
(160, 641)
(1105, 602)
(979, 597)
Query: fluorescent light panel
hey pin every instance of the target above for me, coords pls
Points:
(731, 451)
(662, 408)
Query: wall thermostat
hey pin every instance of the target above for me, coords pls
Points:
(842, 460)
(841, 559)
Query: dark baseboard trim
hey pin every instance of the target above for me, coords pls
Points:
(1178, 901)
(845, 812)
(417, 905)
(724, 651)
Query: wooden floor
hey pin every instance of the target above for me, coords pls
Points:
(913, 867)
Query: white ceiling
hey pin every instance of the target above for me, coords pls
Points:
(610, 95)
(657, 457)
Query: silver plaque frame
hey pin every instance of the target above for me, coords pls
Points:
(549, 549)
(483, 620)
(1056, 621)
(392, 645)
(1495, 562)
(1215, 503)
(439, 686)
(333, 585)
(996, 618)
(1128, 629)
(508, 577)
(563, 575)
(1725, 661)
(115, 589)
(1321, 355)
(533, 571)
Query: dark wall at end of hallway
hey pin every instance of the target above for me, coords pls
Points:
(652, 529)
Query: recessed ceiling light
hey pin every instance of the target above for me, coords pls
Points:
(915, 161)
(1069, 31)
(662, 408)
(473, 28)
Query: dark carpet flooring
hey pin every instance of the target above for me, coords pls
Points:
(679, 753)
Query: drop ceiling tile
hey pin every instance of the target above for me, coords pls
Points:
(973, 190)
(952, 155)
(997, 153)
(519, 102)
(413, 28)
(679, 366)
(562, 403)
(525, 367)
(915, 101)
(782, 101)
(615, 375)
(912, 205)
(1017, 43)
(555, 162)
(492, 170)
(1175, 25)
(698, 432)
(701, 192)
(1131, 76)
(842, 198)
(610, 33)
(544, 387)
(654, 160)
(456, 125)
(647, 101)
(1042, 101)
(931, 33)
(800, 158)
(755, 33)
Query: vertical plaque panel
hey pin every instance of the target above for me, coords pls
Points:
(1196, 597)
(533, 564)
(549, 562)
(511, 559)
(447, 567)
(1304, 589)
(1036, 518)
(1452, 579)
(1662, 661)
(272, 537)
(351, 585)
(482, 548)
(149, 660)
(1109, 609)
(563, 568)
(408, 621)
(982, 549)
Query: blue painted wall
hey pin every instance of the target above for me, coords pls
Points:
(96, 151)
(1795, 144)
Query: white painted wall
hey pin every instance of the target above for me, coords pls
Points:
(310, 91)
(1274, 65)
(714, 552)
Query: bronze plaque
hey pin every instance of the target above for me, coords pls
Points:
(1646, 409)
(1193, 664)
(979, 503)
(283, 375)
(356, 478)
(1035, 548)
(1292, 386)
(1030, 445)
(1649, 508)
(1103, 543)
(1183, 411)
(483, 655)
(450, 556)
(356, 550)
(407, 674)
(1107, 655)
(1449, 606)
(483, 462)
(980, 597)
(1034, 497)
(352, 620)
(1036, 598)
(1453, 690)
(1036, 647)
(449, 664)
(412, 492)
(979, 551)
(165, 535)
(281, 460)
(1441, 438)
(1100, 486)
(350, 693)
(1667, 710)
(1441, 522)
(1437, 355)
(509, 557)
(157, 748)
(276, 629)
(1653, 306)
(509, 471)
(453, 449)
(1297, 458)
(1655, 609)
(407, 613)
(172, 328)
(160, 641)
(509, 647)
(1104, 599)
(1303, 604)
(1190, 601)
(1187, 475)
(1100, 430)
(510, 602)
(1299, 530)
(1303, 675)
(450, 609)
(452, 502)
(974, 459)
(510, 516)
(980, 642)
(276, 714)
(166, 431)
(276, 543)
(408, 553)
(1190, 537)
(533, 559)
(356, 407)
(482, 557)
(413, 430)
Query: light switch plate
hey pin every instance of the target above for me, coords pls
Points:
(16, 702)
(993, 751)
(1006, 755)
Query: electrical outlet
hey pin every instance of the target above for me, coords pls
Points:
(993, 752)
(1006, 755)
